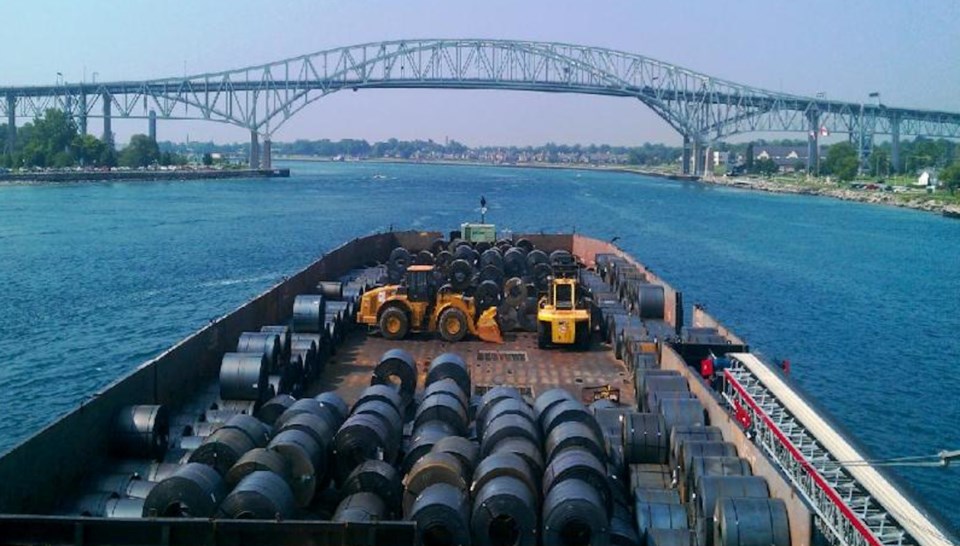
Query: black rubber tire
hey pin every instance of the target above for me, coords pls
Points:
(393, 330)
(452, 324)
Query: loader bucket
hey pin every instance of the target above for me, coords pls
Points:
(487, 327)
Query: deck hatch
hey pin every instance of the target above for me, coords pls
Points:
(501, 356)
(524, 390)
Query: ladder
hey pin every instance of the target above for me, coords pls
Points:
(846, 513)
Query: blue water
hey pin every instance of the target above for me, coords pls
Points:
(863, 299)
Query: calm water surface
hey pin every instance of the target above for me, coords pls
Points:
(864, 300)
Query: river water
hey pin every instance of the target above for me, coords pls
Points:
(864, 300)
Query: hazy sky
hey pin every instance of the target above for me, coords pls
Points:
(909, 51)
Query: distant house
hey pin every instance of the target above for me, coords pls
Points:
(928, 178)
(787, 158)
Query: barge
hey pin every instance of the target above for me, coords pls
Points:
(287, 422)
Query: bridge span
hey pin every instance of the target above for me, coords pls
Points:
(262, 98)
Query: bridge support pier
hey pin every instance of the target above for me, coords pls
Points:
(82, 118)
(813, 144)
(107, 125)
(698, 153)
(11, 124)
(254, 150)
(266, 161)
(152, 126)
(895, 145)
(685, 164)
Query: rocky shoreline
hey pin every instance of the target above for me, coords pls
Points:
(873, 197)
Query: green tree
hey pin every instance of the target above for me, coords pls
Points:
(765, 166)
(88, 149)
(141, 152)
(207, 159)
(950, 176)
(841, 161)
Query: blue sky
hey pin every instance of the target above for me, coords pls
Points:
(908, 51)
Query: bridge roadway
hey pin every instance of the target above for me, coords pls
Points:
(262, 98)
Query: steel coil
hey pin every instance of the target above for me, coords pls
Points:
(222, 449)
(623, 528)
(267, 343)
(331, 290)
(118, 483)
(312, 366)
(681, 434)
(655, 398)
(258, 432)
(506, 426)
(528, 450)
(273, 408)
(259, 495)
(711, 489)
(442, 514)
(751, 522)
(680, 412)
(319, 429)
(504, 513)
(243, 376)
(360, 507)
(291, 375)
(422, 440)
(459, 274)
(431, 469)
(308, 313)
(505, 406)
(379, 478)
(488, 293)
(139, 489)
(362, 437)
(237, 406)
(579, 464)
(157, 472)
(304, 456)
(449, 366)
(93, 504)
(542, 274)
(670, 537)
(256, 460)
(380, 393)
(657, 496)
(191, 443)
(335, 404)
(645, 438)
(574, 434)
(650, 301)
(690, 450)
(314, 407)
(573, 514)
(284, 332)
(491, 256)
(569, 411)
(711, 466)
(660, 516)
(649, 476)
(141, 431)
(500, 464)
(447, 387)
(399, 364)
(467, 451)
(390, 418)
(514, 263)
(129, 508)
(514, 292)
(494, 395)
(194, 490)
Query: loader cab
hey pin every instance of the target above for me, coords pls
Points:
(419, 284)
(563, 295)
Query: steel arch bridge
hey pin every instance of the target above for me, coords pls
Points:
(262, 98)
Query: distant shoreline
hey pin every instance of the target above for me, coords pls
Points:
(127, 176)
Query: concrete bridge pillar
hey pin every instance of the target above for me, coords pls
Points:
(813, 144)
(685, 165)
(152, 126)
(697, 158)
(895, 145)
(267, 160)
(254, 150)
(11, 123)
(107, 125)
(82, 118)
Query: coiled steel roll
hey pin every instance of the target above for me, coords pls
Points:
(256, 460)
(291, 375)
(494, 395)
(119, 483)
(284, 332)
(442, 513)
(334, 403)
(573, 514)
(422, 441)
(157, 472)
(514, 292)
(514, 263)
(574, 434)
(459, 274)
(507, 426)
(751, 522)
(390, 418)
(304, 456)
(500, 464)
(222, 449)
(380, 393)
(362, 437)
(267, 343)
(401, 365)
(318, 428)
(398, 262)
(361, 507)
(379, 478)
(660, 516)
(670, 537)
(663, 383)
(578, 464)
(442, 407)
(690, 450)
(308, 313)
(431, 469)
(657, 496)
(467, 451)
(567, 411)
(218, 416)
(623, 527)
(504, 406)
(273, 408)
(311, 406)
(680, 412)
(94, 504)
(528, 450)
(650, 301)
(711, 489)
(656, 398)
(194, 490)
(711, 466)
(504, 513)
(141, 431)
(307, 350)
(243, 376)
(449, 366)
(190, 443)
(238, 406)
(258, 432)
(488, 293)
(645, 438)
(491, 256)
(681, 434)
(547, 400)
(447, 387)
(649, 476)
(259, 495)
(332, 290)
(139, 489)
(124, 508)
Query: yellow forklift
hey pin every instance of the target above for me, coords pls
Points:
(563, 317)
(416, 305)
